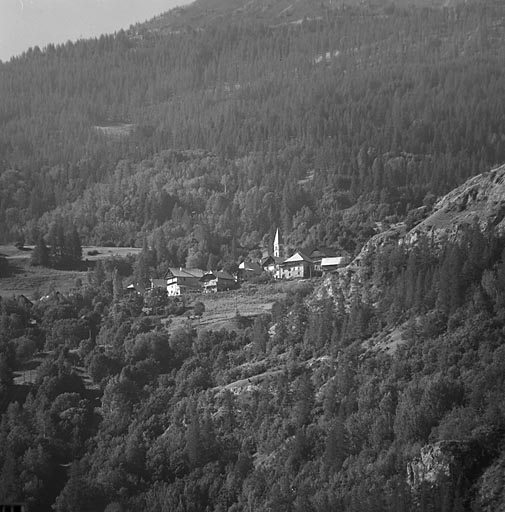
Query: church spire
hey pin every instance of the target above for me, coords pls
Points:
(277, 245)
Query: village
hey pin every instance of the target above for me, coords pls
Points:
(298, 265)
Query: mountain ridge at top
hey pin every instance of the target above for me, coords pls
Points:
(202, 13)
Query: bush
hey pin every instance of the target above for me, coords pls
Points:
(199, 309)
(5, 269)
(25, 348)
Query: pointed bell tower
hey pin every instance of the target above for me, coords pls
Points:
(277, 245)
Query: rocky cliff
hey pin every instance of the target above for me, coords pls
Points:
(443, 461)
(479, 200)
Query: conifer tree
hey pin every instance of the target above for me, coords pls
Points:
(117, 286)
(8, 477)
(141, 269)
(260, 335)
(304, 400)
(335, 445)
(6, 374)
(194, 445)
(99, 274)
(73, 247)
(450, 285)
(40, 254)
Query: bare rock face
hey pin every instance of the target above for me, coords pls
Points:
(480, 200)
(435, 463)
(454, 461)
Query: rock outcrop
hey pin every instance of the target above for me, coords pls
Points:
(479, 200)
(439, 462)
(454, 462)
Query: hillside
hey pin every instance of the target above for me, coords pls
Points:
(214, 137)
(203, 13)
(385, 395)
(366, 127)
(480, 200)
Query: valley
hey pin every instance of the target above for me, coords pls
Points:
(345, 161)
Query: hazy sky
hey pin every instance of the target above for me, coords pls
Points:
(25, 23)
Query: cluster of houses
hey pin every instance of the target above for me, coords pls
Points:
(183, 281)
(300, 265)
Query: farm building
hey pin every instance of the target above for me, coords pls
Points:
(272, 264)
(317, 256)
(217, 281)
(248, 270)
(332, 264)
(181, 281)
(155, 283)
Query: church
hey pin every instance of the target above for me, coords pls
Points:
(300, 265)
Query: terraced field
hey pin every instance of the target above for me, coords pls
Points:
(224, 309)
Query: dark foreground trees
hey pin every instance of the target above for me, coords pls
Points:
(318, 407)
(64, 251)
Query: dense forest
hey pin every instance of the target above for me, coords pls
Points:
(323, 127)
(377, 389)
(298, 410)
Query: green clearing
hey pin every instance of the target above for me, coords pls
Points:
(30, 281)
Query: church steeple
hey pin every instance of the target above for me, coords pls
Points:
(277, 245)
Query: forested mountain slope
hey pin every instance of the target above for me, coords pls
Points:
(324, 126)
(385, 395)
(202, 13)
(380, 389)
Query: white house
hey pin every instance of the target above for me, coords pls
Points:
(181, 281)
(297, 266)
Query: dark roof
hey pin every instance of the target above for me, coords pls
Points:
(184, 272)
(250, 266)
(195, 272)
(222, 274)
(322, 252)
(25, 299)
(217, 274)
(272, 259)
(175, 272)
